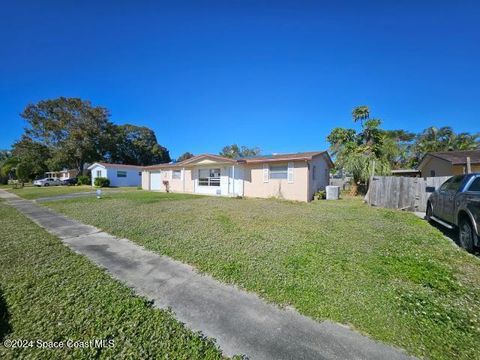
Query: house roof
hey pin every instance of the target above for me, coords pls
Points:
(191, 160)
(117, 166)
(206, 156)
(162, 166)
(284, 157)
(305, 156)
(454, 157)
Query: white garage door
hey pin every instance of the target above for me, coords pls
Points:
(156, 181)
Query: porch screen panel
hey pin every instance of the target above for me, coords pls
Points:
(209, 177)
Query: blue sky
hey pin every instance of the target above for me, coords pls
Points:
(278, 75)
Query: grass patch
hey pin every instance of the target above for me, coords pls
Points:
(36, 192)
(386, 273)
(48, 292)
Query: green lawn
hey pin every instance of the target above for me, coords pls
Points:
(47, 292)
(34, 192)
(386, 273)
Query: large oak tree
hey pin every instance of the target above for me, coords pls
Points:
(70, 132)
(137, 145)
(73, 129)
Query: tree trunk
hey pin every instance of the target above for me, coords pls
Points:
(354, 189)
(80, 165)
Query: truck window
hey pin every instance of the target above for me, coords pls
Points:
(446, 184)
(475, 185)
(455, 184)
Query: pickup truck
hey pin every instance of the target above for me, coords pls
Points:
(456, 205)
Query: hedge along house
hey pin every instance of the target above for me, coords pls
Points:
(118, 174)
(288, 176)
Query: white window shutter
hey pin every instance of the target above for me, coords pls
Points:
(290, 172)
(265, 173)
(182, 174)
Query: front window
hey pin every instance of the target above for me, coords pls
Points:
(99, 173)
(177, 174)
(209, 177)
(279, 172)
(121, 174)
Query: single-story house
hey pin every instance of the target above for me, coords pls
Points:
(118, 174)
(449, 163)
(64, 174)
(288, 176)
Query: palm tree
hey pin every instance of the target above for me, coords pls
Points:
(433, 139)
(428, 140)
(360, 113)
(446, 139)
(467, 141)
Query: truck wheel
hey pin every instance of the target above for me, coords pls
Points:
(466, 235)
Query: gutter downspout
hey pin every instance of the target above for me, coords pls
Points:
(233, 180)
(311, 191)
(183, 179)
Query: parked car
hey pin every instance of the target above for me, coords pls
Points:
(47, 182)
(71, 181)
(456, 205)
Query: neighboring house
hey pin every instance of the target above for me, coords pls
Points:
(62, 175)
(449, 163)
(118, 174)
(288, 176)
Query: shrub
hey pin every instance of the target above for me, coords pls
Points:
(83, 180)
(321, 195)
(102, 182)
(24, 171)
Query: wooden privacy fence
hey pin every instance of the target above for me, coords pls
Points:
(405, 193)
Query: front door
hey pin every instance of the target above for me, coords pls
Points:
(156, 180)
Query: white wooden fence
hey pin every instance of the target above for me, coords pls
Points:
(405, 193)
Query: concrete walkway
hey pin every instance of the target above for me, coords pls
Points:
(241, 322)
